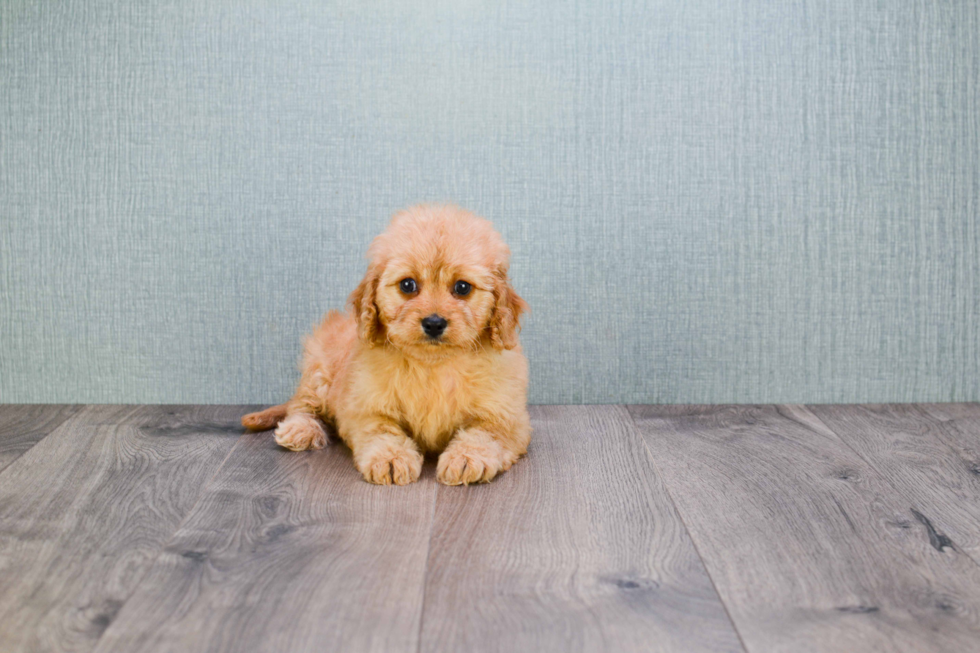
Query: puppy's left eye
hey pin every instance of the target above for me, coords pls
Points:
(462, 288)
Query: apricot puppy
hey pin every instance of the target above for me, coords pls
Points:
(426, 360)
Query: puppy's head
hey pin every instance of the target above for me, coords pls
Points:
(437, 281)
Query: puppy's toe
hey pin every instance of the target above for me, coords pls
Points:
(391, 464)
(301, 432)
(462, 464)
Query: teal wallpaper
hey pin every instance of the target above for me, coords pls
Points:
(719, 201)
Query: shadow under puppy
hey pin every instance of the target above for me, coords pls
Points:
(427, 359)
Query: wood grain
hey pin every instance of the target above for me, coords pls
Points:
(85, 511)
(960, 429)
(931, 462)
(576, 548)
(287, 551)
(158, 528)
(23, 425)
(949, 412)
(810, 548)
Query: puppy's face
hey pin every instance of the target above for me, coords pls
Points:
(434, 303)
(437, 282)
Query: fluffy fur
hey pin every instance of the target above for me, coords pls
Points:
(394, 393)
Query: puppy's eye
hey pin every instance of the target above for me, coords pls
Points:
(408, 286)
(462, 288)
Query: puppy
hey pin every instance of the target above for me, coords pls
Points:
(426, 360)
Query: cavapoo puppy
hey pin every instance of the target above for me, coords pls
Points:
(427, 359)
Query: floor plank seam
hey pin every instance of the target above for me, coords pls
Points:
(910, 500)
(78, 409)
(687, 529)
(425, 570)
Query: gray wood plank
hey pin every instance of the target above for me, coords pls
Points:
(911, 449)
(960, 429)
(287, 551)
(23, 425)
(164, 419)
(810, 548)
(949, 412)
(85, 511)
(576, 548)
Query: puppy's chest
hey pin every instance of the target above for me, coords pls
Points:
(434, 403)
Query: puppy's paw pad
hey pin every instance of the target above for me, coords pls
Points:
(301, 432)
(392, 464)
(463, 464)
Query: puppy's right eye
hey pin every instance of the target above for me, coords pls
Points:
(408, 286)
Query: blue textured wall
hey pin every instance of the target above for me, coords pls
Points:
(707, 201)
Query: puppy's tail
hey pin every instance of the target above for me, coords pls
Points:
(265, 419)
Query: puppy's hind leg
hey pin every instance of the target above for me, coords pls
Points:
(325, 349)
(301, 431)
(302, 428)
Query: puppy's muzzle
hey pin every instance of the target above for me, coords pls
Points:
(434, 325)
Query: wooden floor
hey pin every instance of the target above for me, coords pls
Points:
(642, 528)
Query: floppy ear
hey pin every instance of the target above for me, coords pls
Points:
(362, 302)
(505, 320)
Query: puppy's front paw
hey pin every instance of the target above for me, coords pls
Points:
(388, 463)
(464, 462)
(300, 432)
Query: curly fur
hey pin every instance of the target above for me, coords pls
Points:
(392, 392)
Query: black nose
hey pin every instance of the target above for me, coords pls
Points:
(434, 325)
